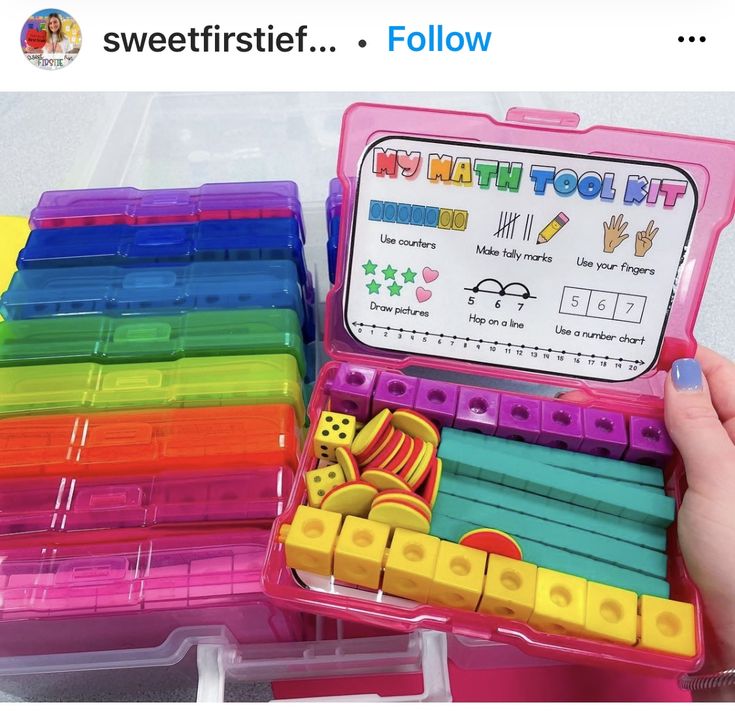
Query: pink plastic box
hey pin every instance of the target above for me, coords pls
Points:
(67, 503)
(131, 588)
(451, 258)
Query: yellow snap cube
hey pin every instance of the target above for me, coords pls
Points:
(667, 626)
(459, 576)
(561, 602)
(410, 565)
(612, 613)
(358, 557)
(510, 588)
(333, 430)
(319, 482)
(311, 539)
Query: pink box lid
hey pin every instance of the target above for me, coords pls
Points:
(498, 248)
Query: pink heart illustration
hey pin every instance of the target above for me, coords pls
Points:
(429, 275)
(423, 294)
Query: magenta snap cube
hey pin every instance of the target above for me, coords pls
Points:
(605, 434)
(519, 418)
(650, 443)
(352, 390)
(561, 425)
(477, 410)
(394, 390)
(437, 401)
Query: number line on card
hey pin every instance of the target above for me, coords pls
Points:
(419, 332)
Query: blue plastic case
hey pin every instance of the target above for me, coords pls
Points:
(169, 244)
(112, 291)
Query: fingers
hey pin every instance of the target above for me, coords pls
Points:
(720, 375)
(623, 226)
(692, 422)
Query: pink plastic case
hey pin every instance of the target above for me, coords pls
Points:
(81, 591)
(393, 145)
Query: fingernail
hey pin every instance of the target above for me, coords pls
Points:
(686, 374)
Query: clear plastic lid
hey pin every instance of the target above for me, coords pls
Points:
(528, 248)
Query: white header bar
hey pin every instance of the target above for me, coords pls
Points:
(408, 45)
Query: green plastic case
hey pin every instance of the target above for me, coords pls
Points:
(131, 339)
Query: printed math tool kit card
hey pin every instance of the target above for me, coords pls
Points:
(430, 492)
(547, 261)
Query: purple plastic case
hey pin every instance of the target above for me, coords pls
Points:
(212, 201)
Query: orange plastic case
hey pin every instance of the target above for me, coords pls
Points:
(150, 441)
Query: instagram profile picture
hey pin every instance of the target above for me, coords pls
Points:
(50, 39)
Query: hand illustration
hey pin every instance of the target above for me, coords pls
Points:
(644, 239)
(614, 233)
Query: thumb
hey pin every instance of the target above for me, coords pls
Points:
(693, 423)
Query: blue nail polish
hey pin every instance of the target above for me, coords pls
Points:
(686, 374)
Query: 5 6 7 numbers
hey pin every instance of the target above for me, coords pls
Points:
(498, 303)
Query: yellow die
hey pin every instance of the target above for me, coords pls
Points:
(319, 482)
(459, 576)
(311, 539)
(612, 613)
(667, 626)
(510, 588)
(409, 568)
(333, 430)
(358, 557)
(561, 602)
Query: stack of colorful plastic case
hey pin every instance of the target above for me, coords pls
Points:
(152, 364)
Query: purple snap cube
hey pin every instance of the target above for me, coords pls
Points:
(437, 401)
(650, 443)
(477, 410)
(394, 390)
(605, 434)
(519, 418)
(352, 390)
(561, 425)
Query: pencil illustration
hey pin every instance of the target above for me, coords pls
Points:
(552, 228)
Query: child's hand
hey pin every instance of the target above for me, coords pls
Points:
(700, 417)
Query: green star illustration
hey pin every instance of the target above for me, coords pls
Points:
(395, 289)
(409, 276)
(389, 273)
(373, 287)
(369, 267)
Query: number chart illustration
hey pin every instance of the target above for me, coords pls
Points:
(550, 262)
